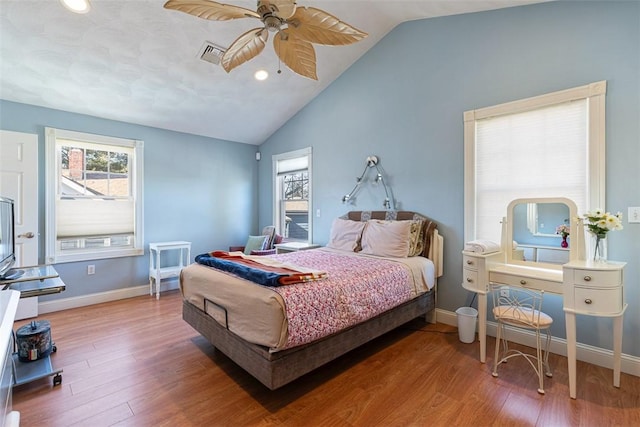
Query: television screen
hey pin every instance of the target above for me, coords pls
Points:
(7, 242)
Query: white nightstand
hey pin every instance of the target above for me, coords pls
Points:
(157, 272)
(283, 248)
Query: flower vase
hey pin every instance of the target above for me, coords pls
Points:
(599, 248)
(564, 243)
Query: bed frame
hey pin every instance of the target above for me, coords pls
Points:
(275, 369)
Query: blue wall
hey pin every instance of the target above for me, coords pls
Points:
(196, 189)
(404, 100)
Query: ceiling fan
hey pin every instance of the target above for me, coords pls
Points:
(296, 29)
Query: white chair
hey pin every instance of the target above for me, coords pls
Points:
(521, 308)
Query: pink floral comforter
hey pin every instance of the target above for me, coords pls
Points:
(357, 288)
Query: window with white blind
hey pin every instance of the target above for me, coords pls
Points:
(292, 195)
(94, 196)
(547, 146)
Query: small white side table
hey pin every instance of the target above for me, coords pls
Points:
(283, 248)
(157, 272)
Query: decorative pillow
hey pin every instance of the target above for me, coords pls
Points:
(254, 243)
(345, 234)
(416, 237)
(387, 238)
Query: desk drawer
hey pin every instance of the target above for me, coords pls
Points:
(526, 282)
(598, 301)
(597, 278)
(470, 280)
(469, 262)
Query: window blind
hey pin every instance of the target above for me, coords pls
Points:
(537, 153)
(94, 217)
(297, 164)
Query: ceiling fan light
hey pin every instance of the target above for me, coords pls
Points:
(261, 75)
(77, 6)
(272, 23)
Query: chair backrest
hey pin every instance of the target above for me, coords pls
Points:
(270, 232)
(519, 306)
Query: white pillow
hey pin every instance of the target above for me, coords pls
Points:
(387, 238)
(345, 234)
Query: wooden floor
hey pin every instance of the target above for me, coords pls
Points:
(137, 363)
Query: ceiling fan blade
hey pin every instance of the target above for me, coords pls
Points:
(246, 47)
(318, 26)
(296, 53)
(211, 10)
(286, 8)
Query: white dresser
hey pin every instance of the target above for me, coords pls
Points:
(8, 306)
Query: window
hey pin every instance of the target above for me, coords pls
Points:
(93, 196)
(547, 146)
(292, 201)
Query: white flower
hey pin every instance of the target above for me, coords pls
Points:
(600, 223)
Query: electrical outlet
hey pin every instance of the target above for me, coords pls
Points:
(504, 293)
(91, 269)
(634, 215)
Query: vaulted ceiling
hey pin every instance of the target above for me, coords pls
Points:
(134, 61)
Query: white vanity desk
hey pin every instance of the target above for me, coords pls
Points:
(588, 288)
(480, 270)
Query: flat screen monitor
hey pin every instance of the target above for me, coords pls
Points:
(7, 236)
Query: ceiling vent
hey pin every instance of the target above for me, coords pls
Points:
(211, 52)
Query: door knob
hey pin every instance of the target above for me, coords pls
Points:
(28, 235)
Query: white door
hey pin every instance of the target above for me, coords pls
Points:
(19, 181)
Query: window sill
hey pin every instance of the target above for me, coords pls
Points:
(89, 256)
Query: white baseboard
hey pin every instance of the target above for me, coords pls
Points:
(586, 353)
(91, 299)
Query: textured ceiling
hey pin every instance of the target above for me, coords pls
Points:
(136, 62)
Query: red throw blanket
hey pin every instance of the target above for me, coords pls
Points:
(286, 276)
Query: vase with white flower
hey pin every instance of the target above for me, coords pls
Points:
(599, 223)
(563, 230)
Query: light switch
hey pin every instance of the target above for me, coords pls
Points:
(634, 215)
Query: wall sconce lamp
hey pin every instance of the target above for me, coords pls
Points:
(372, 162)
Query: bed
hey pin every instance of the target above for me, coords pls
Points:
(256, 327)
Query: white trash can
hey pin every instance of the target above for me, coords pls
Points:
(467, 324)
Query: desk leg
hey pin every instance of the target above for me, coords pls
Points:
(482, 326)
(570, 320)
(158, 278)
(617, 349)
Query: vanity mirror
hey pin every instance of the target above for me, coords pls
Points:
(542, 219)
(530, 226)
